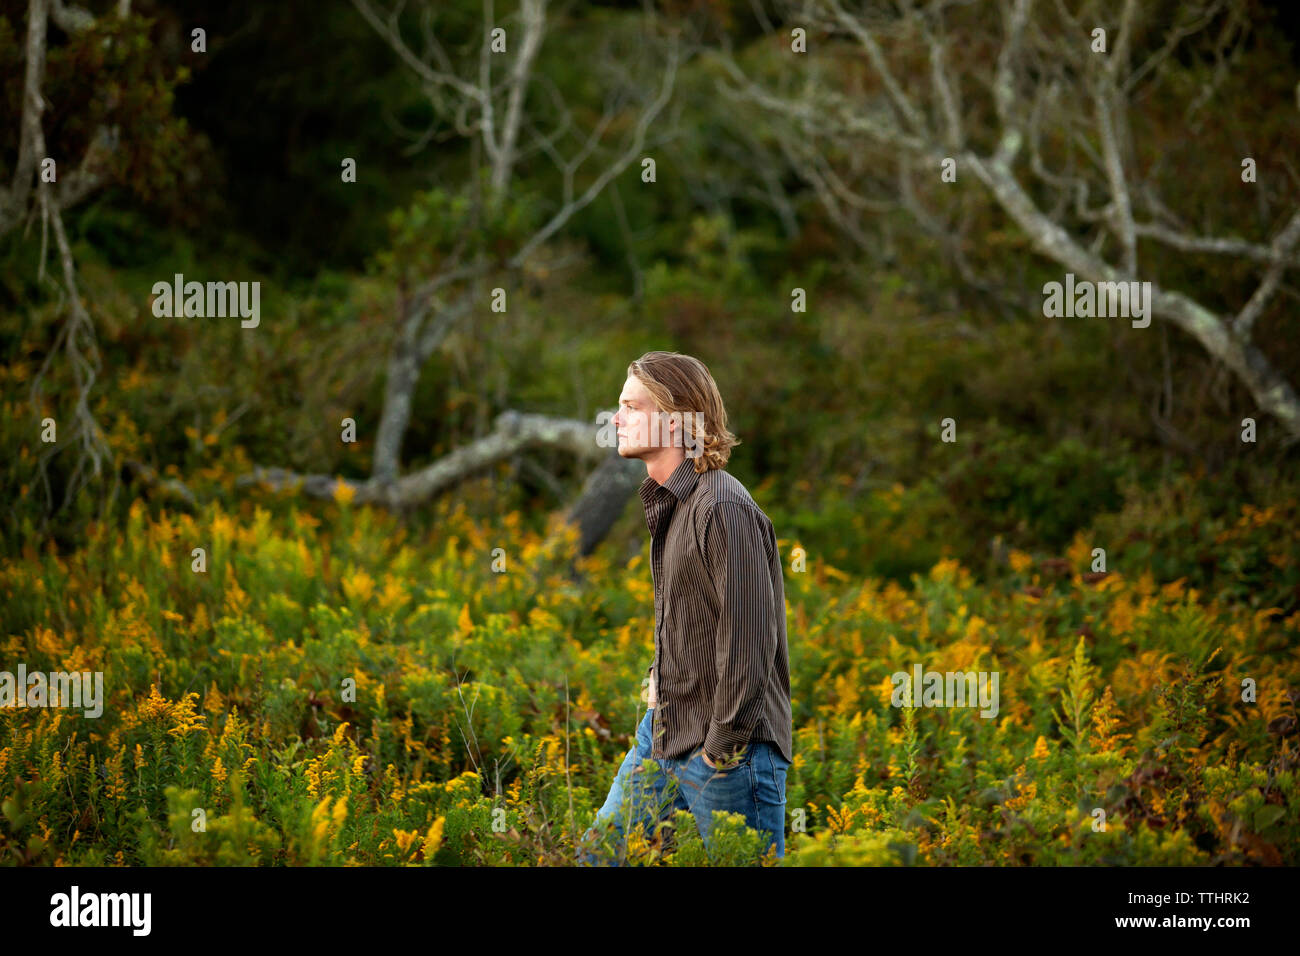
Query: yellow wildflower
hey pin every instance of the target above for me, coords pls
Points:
(886, 689)
(358, 586)
(312, 773)
(405, 839)
(341, 810)
(344, 492)
(183, 717)
(394, 595)
(237, 599)
(464, 624)
(320, 820)
(156, 706)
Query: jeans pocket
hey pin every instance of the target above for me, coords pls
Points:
(769, 780)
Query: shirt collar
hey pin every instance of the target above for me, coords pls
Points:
(680, 483)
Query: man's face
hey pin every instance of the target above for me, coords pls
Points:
(641, 428)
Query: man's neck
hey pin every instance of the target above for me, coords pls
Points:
(662, 466)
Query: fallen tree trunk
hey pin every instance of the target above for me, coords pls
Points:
(514, 432)
(604, 495)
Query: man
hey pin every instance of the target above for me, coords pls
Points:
(719, 722)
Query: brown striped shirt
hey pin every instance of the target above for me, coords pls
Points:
(721, 670)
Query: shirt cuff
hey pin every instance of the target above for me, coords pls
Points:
(719, 750)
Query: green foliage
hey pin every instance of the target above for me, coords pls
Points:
(1236, 535)
(105, 77)
(365, 696)
(438, 222)
(1019, 488)
(1077, 699)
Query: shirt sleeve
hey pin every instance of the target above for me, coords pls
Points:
(735, 546)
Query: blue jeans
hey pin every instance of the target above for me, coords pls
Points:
(754, 787)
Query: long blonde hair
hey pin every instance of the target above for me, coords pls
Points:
(681, 383)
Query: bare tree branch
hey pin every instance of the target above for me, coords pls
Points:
(13, 204)
(1041, 56)
(514, 432)
(533, 13)
(1286, 241)
(503, 135)
(76, 337)
(567, 211)
(1220, 245)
